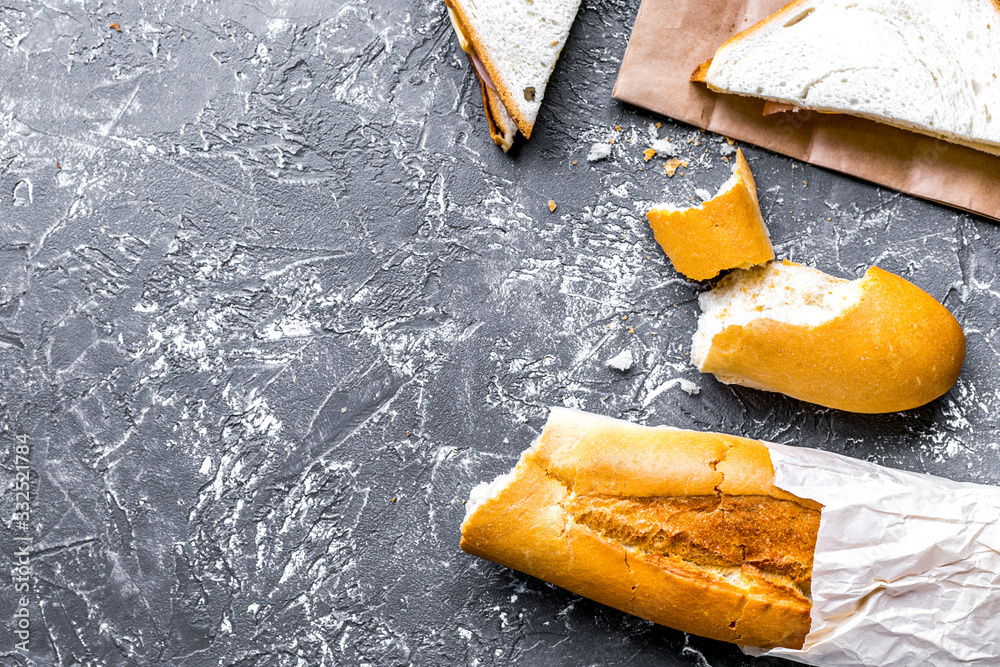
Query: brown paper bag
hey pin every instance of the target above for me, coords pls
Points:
(672, 37)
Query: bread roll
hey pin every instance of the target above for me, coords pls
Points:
(873, 345)
(682, 528)
(724, 232)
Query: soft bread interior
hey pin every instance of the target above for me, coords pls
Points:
(921, 64)
(781, 291)
(519, 43)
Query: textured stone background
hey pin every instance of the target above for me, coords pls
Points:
(271, 303)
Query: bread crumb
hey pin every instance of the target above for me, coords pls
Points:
(115, 26)
(554, 42)
(621, 362)
(552, 208)
(343, 410)
(672, 165)
(599, 151)
(659, 125)
(618, 127)
(730, 141)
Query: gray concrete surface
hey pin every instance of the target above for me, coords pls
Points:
(271, 303)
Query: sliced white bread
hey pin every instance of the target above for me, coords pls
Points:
(925, 65)
(514, 46)
(872, 345)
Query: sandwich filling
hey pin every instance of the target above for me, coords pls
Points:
(503, 129)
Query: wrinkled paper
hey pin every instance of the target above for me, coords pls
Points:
(907, 566)
(672, 37)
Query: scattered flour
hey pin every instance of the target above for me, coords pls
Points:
(686, 385)
(663, 147)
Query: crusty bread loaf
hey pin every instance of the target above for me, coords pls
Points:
(920, 65)
(877, 344)
(517, 44)
(682, 528)
(724, 232)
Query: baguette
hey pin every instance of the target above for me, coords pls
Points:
(724, 232)
(682, 528)
(874, 345)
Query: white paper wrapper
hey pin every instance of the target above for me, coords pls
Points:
(907, 566)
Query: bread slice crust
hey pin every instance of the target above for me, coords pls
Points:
(655, 522)
(502, 89)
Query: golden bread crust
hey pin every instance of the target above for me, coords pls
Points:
(725, 232)
(589, 509)
(896, 349)
(701, 71)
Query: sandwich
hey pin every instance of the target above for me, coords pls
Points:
(513, 46)
(927, 66)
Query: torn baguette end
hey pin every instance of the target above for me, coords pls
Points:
(873, 345)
